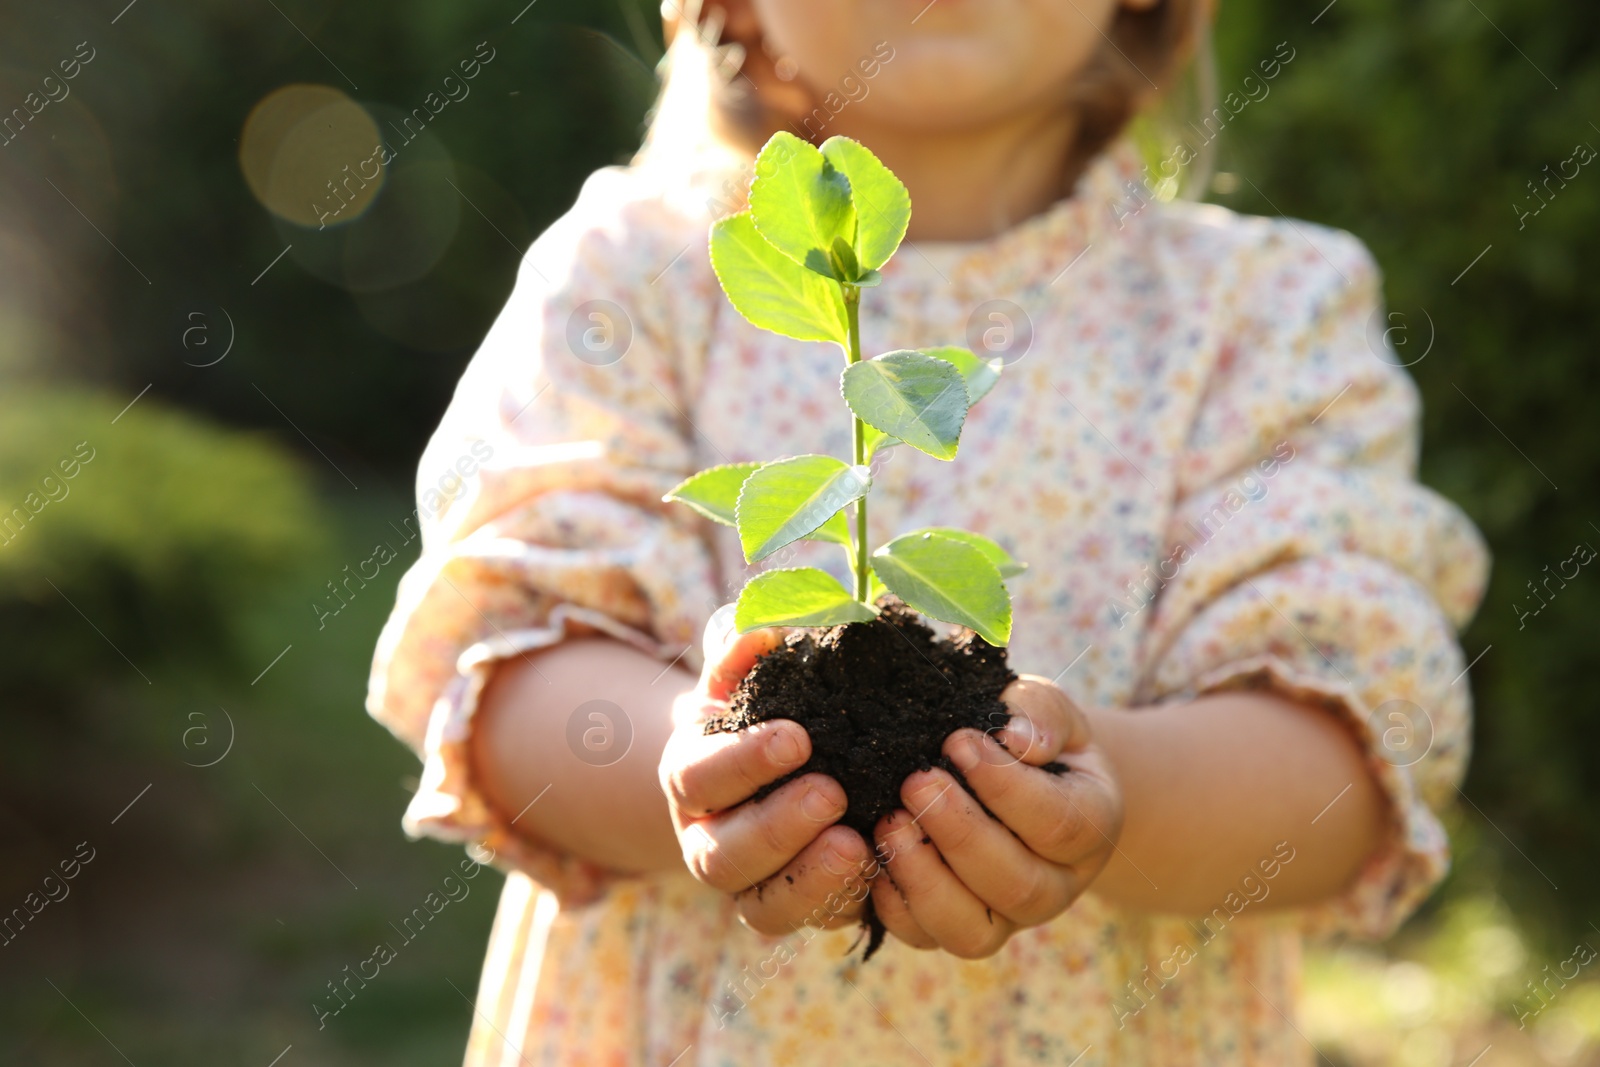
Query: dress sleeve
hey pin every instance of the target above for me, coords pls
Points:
(1304, 558)
(539, 498)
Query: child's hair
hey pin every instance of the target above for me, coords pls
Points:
(707, 108)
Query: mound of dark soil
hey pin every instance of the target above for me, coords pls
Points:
(878, 699)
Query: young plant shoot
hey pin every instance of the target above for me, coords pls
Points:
(820, 225)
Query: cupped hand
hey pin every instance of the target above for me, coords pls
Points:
(782, 857)
(965, 882)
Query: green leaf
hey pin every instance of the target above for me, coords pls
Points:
(844, 260)
(835, 530)
(799, 202)
(948, 580)
(799, 596)
(785, 500)
(874, 439)
(714, 492)
(979, 374)
(1002, 560)
(916, 398)
(882, 205)
(772, 290)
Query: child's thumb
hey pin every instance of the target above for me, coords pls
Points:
(730, 654)
(719, 631)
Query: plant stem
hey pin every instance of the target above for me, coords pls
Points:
(858, 438)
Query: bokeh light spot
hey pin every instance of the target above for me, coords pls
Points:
(302, 151)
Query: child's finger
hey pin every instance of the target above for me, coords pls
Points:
(895, 914)
(719, 631)
(703, 773)
(823, 887)
(990, 861)
(726, 669)
(950, 913)
(736, 849)
(1062, 818)
(1044, 722)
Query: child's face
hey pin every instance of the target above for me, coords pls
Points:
(954, 62)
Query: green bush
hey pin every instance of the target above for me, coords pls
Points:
(153, 530)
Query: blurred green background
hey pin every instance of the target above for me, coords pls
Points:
(155, 611)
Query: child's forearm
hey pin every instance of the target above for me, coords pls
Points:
(1213, 787)
(614, 815)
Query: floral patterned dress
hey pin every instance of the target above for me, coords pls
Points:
(1200, 444)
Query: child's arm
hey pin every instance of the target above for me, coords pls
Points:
(613, 816)
(1214, 787)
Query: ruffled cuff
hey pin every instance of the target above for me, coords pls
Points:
(1415, 854)
(448, 804)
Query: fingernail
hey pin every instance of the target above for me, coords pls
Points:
(1021, 737)
(836, 862)
(718, 632)
(818, 806)
(965, 754)
(783, 748)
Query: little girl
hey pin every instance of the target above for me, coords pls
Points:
(1239, 622)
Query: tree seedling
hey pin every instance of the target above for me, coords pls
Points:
(820, 225)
